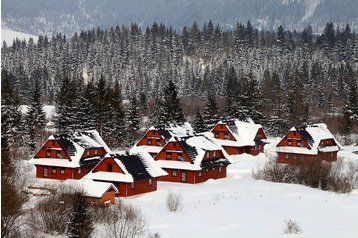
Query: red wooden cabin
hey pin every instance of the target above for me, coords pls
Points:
(157, 136)
(237, 137)
(132, 174)
(69, 156)
(308, 143)
(97, 193)
(192, 159)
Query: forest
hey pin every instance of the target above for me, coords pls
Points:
(114, 79)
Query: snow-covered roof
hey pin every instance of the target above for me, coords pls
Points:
(136, 165)
(90, 188)
(74, 144)
(243, 132)
(147, 148)
(168, 131)
(312, 134)
(195, 147)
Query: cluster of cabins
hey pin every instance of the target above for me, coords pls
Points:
(168, 153)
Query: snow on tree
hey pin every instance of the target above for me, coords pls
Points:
(211, 112)
(80, 222)
(199, 125)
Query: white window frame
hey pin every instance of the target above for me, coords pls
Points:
(59, 154)
(88, 152)
(45, 171)
(219, 168)
(79, 170)
(149, 142)
(132, 185)
(96, 151)
(168, 156)
(48, 153)
(174, 173)
(53, 169)
(199, 174)
(150, 182)
(183, 176)
(286, 156)
(62, 171)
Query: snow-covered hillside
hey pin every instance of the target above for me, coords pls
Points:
(9, 35)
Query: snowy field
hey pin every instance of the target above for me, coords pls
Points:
(9, 35)
(239, 206)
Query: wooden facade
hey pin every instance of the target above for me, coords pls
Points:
(173, 151)
(294, 148)
(222, 132)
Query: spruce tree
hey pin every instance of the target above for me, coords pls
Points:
(80, 222)
(172, 111)
(199, 125)
(211, 112)
(156, 115)
(133, 114)
(231, 94)
(35, 117)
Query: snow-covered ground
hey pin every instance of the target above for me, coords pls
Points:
(9, 35)
(240, 206)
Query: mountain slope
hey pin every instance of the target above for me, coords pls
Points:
(68, 16)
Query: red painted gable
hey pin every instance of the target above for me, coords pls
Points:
(153, 138)
(221, 131)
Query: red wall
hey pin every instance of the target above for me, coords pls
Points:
(154, 137)
(296, 137)
(193, 176)
(140, 186)
(70, 173)
(252, 150)
(300, 158)
(220, 130)
(102, 166)
(172, 146)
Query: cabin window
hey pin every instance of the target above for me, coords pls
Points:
(299, 144)
(207, 155)
(180, 157)
(332, 154)
(150, 181)
(54, 170)
(214, 154)
(95, 151)
(174, 173)
(158, 143)
(62, 171)
(219, 168)
(48, 153)
(58, 154)
(79, 170)
(183, 176)
(216, 135)
(109, 167)
(213, 168)
(199, 174)
(226, 136)
(169, 156)
(132, 185)
(87, 152)
(286, 156)
(289, 142)
(45, 171)
(149, 142)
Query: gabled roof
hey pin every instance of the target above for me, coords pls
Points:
(312, 134)
(168, 131)
(136, 165)
(243, 132)
(90, 188)
(74, 144)
(195, 147)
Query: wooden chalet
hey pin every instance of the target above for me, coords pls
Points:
(157, 136)
(308, 143)
(237, 137)
(69, 156)
(131, 173)
(96, 193)
(192, 159)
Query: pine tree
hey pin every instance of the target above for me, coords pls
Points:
(133, 114)
(118, 120)
(36, 117)
(80, 222)
(199, 125)
(211, 112)
(231, 94)
(172, 111)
